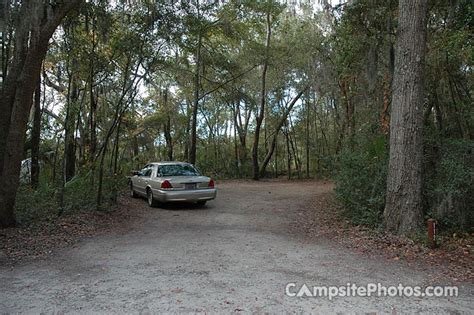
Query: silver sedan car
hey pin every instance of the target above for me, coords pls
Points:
(172, 181)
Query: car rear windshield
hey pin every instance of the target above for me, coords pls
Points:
(178, 170)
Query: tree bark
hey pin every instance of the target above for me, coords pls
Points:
(69, 151)
(167, 127)
(403, 208)
(197, 84)
(294, 147)
(92, 119)
(288, 152)
(263, 96)
(307, 108)
(69, 126)
(116, 148)
(35, 137)
(282, 121)
(39, 20)
(241, 127)
(187, 130)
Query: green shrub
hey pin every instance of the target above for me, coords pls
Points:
(361, 183)
(449, 188)
(80, 194)
(36, 205)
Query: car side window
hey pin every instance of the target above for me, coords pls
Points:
(147, 172)
(160, 171)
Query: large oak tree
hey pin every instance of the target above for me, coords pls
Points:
(403, 209)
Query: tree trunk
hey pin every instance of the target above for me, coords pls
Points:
(288, 153)
(187, 131)
(236, 151)
(116, 148)
(55, 158)
(35, 137)
(167, 127)
(263, 96)
(93, 98)
(282, 121)
(276, 158)
(69, 126)
(403, 208)
(68, 145)
(241, 127)
(294, 148)
(101, 176)
(307, 102)
(39, 20)
(197, 83)
(92, 121)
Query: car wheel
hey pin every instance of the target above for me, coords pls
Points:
(133, 194)
(201, 203)
(149, 197)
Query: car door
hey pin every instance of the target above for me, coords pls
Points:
(141, 180)
(146, 178)
(153, 181)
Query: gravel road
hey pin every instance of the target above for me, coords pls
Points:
(237, 254)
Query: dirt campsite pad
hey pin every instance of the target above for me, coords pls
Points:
(236, 254)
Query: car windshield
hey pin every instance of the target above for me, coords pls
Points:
(178, 170)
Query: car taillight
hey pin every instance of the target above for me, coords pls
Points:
(166, 184)
(211, 183)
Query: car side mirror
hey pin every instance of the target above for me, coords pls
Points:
(138, 173)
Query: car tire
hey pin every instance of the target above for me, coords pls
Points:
(201, 203)
(133, 194)
(152, 202)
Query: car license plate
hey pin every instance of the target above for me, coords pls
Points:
(190, 186)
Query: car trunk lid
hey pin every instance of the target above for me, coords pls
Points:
(188, 182)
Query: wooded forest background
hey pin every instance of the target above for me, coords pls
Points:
(243, 89)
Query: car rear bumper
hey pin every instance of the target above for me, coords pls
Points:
(184, 195)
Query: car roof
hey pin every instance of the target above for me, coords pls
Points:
(169, 163)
